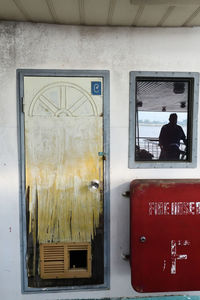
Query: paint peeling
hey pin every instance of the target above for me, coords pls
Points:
(60, 176)
(175, 256)
(164, 265)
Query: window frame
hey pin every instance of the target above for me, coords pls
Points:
(105, 74)
(192, 114)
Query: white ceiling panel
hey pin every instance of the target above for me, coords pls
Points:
(166, 2)
(124, 13)
(151, 16)
(194, 19)
(10, 11)
(179, 16)
(96, 12)
(38, 10)
(68, 11)
(141, 13)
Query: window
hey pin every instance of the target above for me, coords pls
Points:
(163, 119)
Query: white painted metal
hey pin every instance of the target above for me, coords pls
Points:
(119, 50)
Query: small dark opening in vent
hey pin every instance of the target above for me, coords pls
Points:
(78, 259)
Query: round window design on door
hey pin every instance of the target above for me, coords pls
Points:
(63, 99)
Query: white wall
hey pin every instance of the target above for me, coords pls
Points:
(119, 50)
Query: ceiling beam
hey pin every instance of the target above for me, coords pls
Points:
(166, 15)
(23, 11)
(52, 11)
(191, 17)
(138, 15)
(111, 11)
(81, 6)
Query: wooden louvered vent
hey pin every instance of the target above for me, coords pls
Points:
(65, 260)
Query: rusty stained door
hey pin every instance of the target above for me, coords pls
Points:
(64, 157)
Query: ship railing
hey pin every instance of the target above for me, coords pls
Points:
(151, 145)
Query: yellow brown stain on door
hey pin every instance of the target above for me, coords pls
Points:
(61, 161)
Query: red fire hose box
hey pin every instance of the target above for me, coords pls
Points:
(165, 235)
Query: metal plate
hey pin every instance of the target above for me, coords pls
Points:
(165, 241)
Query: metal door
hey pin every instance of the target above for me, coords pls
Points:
(165, 220)
(64, 166)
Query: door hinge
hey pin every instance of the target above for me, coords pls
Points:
(102, 154)
(126, 194)
(22, 103)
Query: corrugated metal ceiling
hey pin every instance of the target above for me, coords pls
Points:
(139, 13)
(161, 96)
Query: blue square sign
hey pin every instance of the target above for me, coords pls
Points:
(96, 87)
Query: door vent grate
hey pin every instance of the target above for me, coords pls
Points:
(54, 267)
(65, 260)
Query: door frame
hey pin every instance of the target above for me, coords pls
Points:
(105, 75)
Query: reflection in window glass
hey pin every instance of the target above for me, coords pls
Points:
(162, 119)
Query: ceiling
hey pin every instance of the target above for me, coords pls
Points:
(139, 13)
(162, 96)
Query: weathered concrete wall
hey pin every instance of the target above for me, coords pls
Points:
(119, 50)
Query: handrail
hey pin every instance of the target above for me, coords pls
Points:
(151, 145)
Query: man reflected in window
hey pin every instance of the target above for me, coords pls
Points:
(169, 140)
